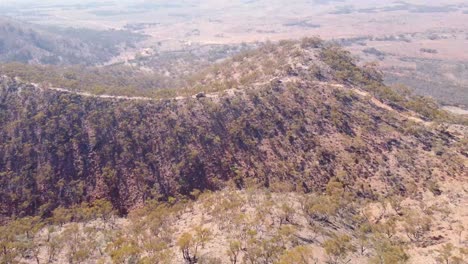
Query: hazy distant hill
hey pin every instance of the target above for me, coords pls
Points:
(28, 43)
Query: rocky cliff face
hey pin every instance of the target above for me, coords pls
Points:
(295, 131)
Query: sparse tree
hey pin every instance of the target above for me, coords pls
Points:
(61, 216)
(102, 209)
(189, 244)
(387, 228)
(338, 247)
(387, 253)
(234, 250)
(123, 250)
(298, 255)
(202, 235)
(363, 238)
(53, 247)
(286, 214)
(189, 248)
(460, 228)
(447, 254)
(416, 226)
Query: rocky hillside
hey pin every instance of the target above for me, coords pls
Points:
(254, 225)
(299, 115)
(28, 43)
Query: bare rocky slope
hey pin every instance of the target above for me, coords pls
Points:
(294, 113)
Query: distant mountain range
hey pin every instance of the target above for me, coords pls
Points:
(34, 44)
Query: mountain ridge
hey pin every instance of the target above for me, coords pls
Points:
(294, 131)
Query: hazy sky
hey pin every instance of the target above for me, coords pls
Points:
(45, 2)
(55, 1)
(48, 2)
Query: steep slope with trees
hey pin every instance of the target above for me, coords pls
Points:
(295, 120)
